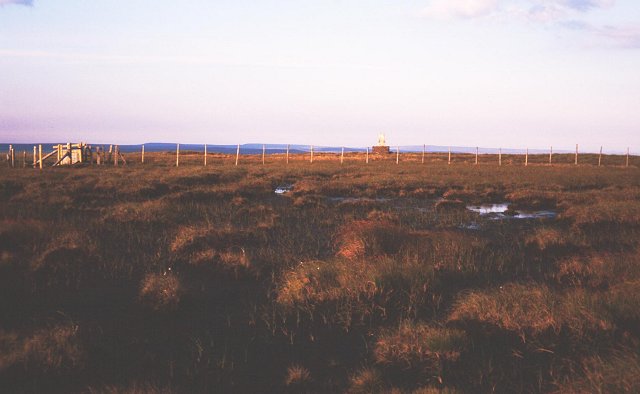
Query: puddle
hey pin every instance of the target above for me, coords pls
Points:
(535, 215)
(283, 189)
(471, 226)
(357, 199)
(487, 209)
(499, 212)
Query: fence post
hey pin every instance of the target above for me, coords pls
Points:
(263, 150)
(287, 154)
(476, 155)
(11, 156)
(424, 148)
(115, 156)
(237, 154)
(449, 160)
(35, 157)
(397, 155)
(24, 159)
(205, 155)
(40, 154)
(177, 155)
(576, 162)
(342, 156)
(627, 157)
(526, 158)
(499, 156)
(142, 153)
(600, 157)
(550, 154)
(311, 159)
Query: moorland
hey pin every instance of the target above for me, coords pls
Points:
(358, 278)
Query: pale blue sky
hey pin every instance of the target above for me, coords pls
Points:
(333, 72)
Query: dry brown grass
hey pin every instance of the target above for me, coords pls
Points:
(617, 373)
(68, 262)
(133, 388)
(366, 381)
(161, 292)
(545, 238)
(316, 282)
(414, 345)
(54, 348)
(376, 236)
(513, 307)
(297, 377)
(450, 205)
(217, 247)
(531, 310)
(380, 257)
(532, 199)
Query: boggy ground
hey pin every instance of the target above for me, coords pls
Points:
(361, 279)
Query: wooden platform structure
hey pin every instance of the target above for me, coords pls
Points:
(72, 153)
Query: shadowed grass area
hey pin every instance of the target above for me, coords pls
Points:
(361, 278)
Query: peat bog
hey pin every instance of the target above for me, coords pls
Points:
(320, 278)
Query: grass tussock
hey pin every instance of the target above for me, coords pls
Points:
(56, 348)
(513, 307)
(298, 378)
(420, 345)
(365, 381)
(616, 373)
(362, 238)
(161, 292)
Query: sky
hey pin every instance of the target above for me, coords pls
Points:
(489, 73)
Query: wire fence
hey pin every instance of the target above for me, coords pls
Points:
(28, 155)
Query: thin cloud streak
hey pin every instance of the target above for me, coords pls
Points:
(178, 60)
(28, 3)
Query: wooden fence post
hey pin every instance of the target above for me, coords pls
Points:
(40, 154)
(11, 157)
(35, 157)
(600, 157)
(263, 151)
(287, 153)
(397, 155)
(476, 155)
(311, 159)
(116, 152)
(24, 159)
(449, 160)
(342, 156)
(237, 154)
(98, 155)
(526, 158)
(205, 155)
(142, 153)
(499, 156)
(576, 162)
(177, 155)
(627, 157)
(424, 148)
(550, 154)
